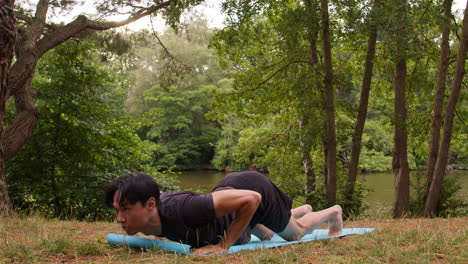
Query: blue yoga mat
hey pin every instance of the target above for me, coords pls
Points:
(255, 243)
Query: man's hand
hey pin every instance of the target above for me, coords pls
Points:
(210, 250)
(243, 203)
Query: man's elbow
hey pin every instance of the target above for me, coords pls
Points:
(255, 199)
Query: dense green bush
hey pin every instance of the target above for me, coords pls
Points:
(79, 143)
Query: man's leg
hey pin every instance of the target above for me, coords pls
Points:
(297, 228)
(262, 232)
(300, 211)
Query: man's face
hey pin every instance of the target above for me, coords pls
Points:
(132, 217)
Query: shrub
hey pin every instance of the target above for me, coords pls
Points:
(450, 203)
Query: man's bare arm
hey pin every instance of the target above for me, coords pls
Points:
(243, 203)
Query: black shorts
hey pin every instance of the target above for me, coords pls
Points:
(274, 210)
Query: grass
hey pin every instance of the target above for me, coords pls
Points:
(39, 240)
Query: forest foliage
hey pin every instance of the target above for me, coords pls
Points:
(227, 99)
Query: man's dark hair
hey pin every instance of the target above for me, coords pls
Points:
(133, 187)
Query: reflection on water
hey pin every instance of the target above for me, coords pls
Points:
(201, 180)
(381, 186)
(380, 183)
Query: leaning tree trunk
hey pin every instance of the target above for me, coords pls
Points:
(430, 205)
(330, 106)
(7, 42)
(439, 96)
(400, 155)
(362, 113)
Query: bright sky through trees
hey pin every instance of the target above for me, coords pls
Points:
(210, 9)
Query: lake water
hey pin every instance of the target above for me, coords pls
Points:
(380, 183)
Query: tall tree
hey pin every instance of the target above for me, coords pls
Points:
(306, 132)
(7, 42)
(439, 95)
(329, 106)
(433, 196)
(400, 154)
(363, 104)
(36, 37)
(274, 46)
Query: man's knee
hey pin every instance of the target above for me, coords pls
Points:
(298, 227)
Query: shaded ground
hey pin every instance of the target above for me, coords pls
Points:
(37, 240)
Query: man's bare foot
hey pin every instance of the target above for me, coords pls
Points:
(336, 224)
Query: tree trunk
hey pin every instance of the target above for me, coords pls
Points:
(7, 42)
(307, 134)
(439, 96)
(306, 145)
(58, 208)
(430, 205)
(400, 156)
(330, 106)
(362, 112)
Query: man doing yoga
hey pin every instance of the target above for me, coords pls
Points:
(240, 204)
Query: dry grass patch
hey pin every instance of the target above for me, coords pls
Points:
(38, 240)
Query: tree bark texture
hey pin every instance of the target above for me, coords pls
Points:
(32, 42)
(439, 96)
(362, 111)
(7, 42)
(330, 106)
(400, 155)
(431, 203)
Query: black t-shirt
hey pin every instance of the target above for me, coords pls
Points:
(190, 218)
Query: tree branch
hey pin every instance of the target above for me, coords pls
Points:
(39, 20)
(168, 53)
(82, 22)
(278, 71)
(41, 11)
(274, 64)
(282, 133)
(29, 20)
(23, 17)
